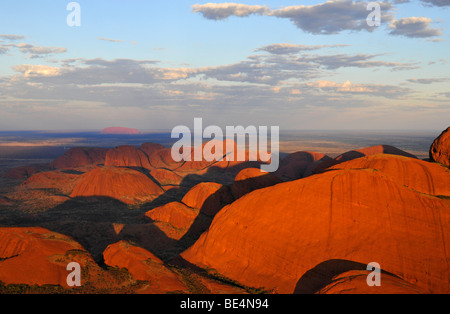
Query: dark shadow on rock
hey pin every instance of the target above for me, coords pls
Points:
(322, 275)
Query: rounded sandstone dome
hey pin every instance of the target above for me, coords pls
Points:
(126, 185)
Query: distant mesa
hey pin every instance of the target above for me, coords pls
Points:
(120, 130)
(440, 149)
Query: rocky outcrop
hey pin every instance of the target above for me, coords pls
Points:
(252, 179)
(177, 215)
(418, 175)
(79, 157)
(373, 150)
(272, 237)
(127, 156)
(126, 185)
(144, 266)
(21, 172)
(300, 164)
(440, 149)
(208, 197)
(58, 181)
(166, 177)
(37, 256)
(150, 148)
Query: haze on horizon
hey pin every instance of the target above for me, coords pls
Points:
(153, 65)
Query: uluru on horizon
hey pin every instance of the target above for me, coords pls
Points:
(120, 130)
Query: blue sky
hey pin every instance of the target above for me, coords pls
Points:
(157, 64)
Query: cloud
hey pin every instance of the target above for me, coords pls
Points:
(37, 52)
(261, 79)
(331, 17)
(110, 40)
(3, 49)
(34, 51)
(220, 11)
(438, 3)
(333, 62)
(380, 90)
(37, 70)
(292, 49)
(429, 81)
(414, 27)
(12, 37)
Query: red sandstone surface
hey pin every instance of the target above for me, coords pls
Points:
(315, 233)
(440, 149)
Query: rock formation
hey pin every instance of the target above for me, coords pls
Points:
(440, 149)
(373, 150)
(36, 256)
(208, 197)
(418, 175)
(79, 157)
(252, 179)
(127, 156)
(176, 214)
(127, 185)
(272, 237)
(166, 177)
(59, 181)
(145, 266)
(300, 164)
(21, 172)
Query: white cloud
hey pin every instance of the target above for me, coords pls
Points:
(30, 71)
(220, 11)
(110, 40)
(429, 80)
(414, 27)
(438, 3)
(330, 17)
(11, 37)
(292, 48)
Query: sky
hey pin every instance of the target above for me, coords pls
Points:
(153, 65)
